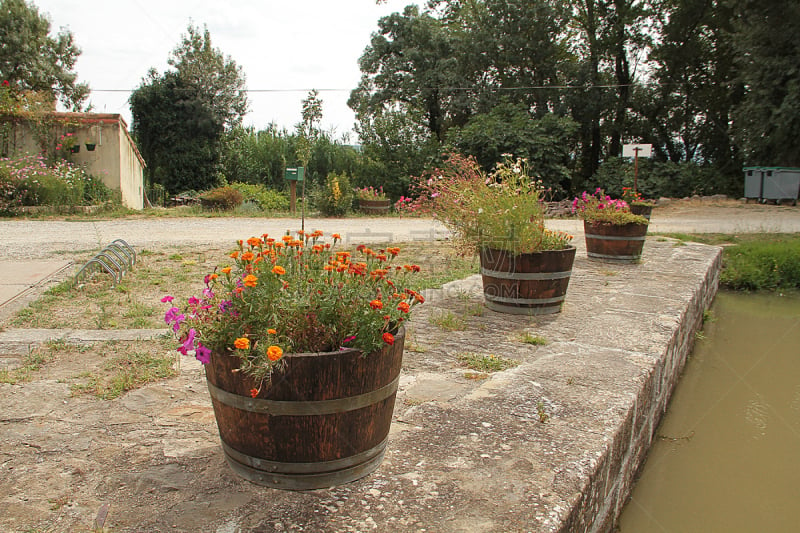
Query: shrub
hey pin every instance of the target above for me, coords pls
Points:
(266, 198)
(223, 198)
(334, 198)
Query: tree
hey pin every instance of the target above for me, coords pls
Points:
(32, 60)
(412, 60)
(768, 119)
(180, 117)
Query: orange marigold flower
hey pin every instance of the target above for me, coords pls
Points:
(234, 254)
(272, 331)
(250, 280)
(418, 297)
(242, 343)
(214, 276)
(328, 267)
(248, 256)
(279, 270)
(388, 338)
(253, 393)
(226, 270)
(404, 307)
(253, 241)
(336, 237)
(274, 353)
(376, 304)
(393, 251)
(287, 238)
(381, 257)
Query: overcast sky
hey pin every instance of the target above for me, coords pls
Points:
(287, 47)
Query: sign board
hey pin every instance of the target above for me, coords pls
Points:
(294, 174)
(637, 150)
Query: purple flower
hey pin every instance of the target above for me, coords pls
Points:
(193, 301)
(202, 354)
(207, 293)
(171, 315)
(167, 299)
(188, 344)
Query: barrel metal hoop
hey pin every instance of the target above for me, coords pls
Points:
(303, 408)
(316, 467)
(619, 258)
(524, 301)
(311, 480)
(613, 237)
(514, 310)
(526, 276)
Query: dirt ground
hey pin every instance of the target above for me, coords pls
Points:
(150, 460)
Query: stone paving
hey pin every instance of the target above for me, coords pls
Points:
(550, 445)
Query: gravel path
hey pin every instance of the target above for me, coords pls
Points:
(26, 239)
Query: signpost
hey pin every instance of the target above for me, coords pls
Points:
(293, 175)
(634, 151)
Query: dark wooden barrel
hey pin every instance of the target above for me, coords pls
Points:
(526, 284)
(321, 422)
(374, 207)
(642, 210)
(615, 243)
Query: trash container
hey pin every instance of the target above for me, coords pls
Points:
(772, 183)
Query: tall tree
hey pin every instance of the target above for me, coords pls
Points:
(410, 60)
(33, 60)
(181, 116)
(768, 119)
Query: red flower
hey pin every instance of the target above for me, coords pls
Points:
(388, 338)
(253, 393)
(5, 83)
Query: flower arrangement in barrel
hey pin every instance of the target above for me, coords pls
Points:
(503, 209)
(600, 208)
(371, 194)
(295, 294)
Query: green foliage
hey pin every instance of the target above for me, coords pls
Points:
(266, 199)
(767, 48)
(335, 197)
(511, 129)
(30, 181)
(180, 117)
(668, 179)
(486, 363)
(762, 265)
(32, 60)
(502, 210)
(223, 198)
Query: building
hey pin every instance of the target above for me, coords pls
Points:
(101, 143)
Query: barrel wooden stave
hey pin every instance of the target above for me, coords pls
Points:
(614, 242)
(308, 450)
(530, 284)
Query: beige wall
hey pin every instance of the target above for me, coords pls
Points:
(114, 159)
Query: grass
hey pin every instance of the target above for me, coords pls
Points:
(535, 340)
(124, 372)
(754, 261)
(486, 362)
(447, 320)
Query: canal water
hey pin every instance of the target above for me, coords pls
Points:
(727, 454)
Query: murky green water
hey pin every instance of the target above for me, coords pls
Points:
(727, 457)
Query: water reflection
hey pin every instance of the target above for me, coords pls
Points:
(727, 455)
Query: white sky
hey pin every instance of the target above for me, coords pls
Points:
(288, 46)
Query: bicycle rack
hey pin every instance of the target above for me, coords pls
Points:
(116, 259)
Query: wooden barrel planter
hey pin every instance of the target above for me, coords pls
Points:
(614, 243)
(644, 210)
(374, 207)
(526, 284)
(322, 421)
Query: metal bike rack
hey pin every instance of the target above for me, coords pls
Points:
(116, 259)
